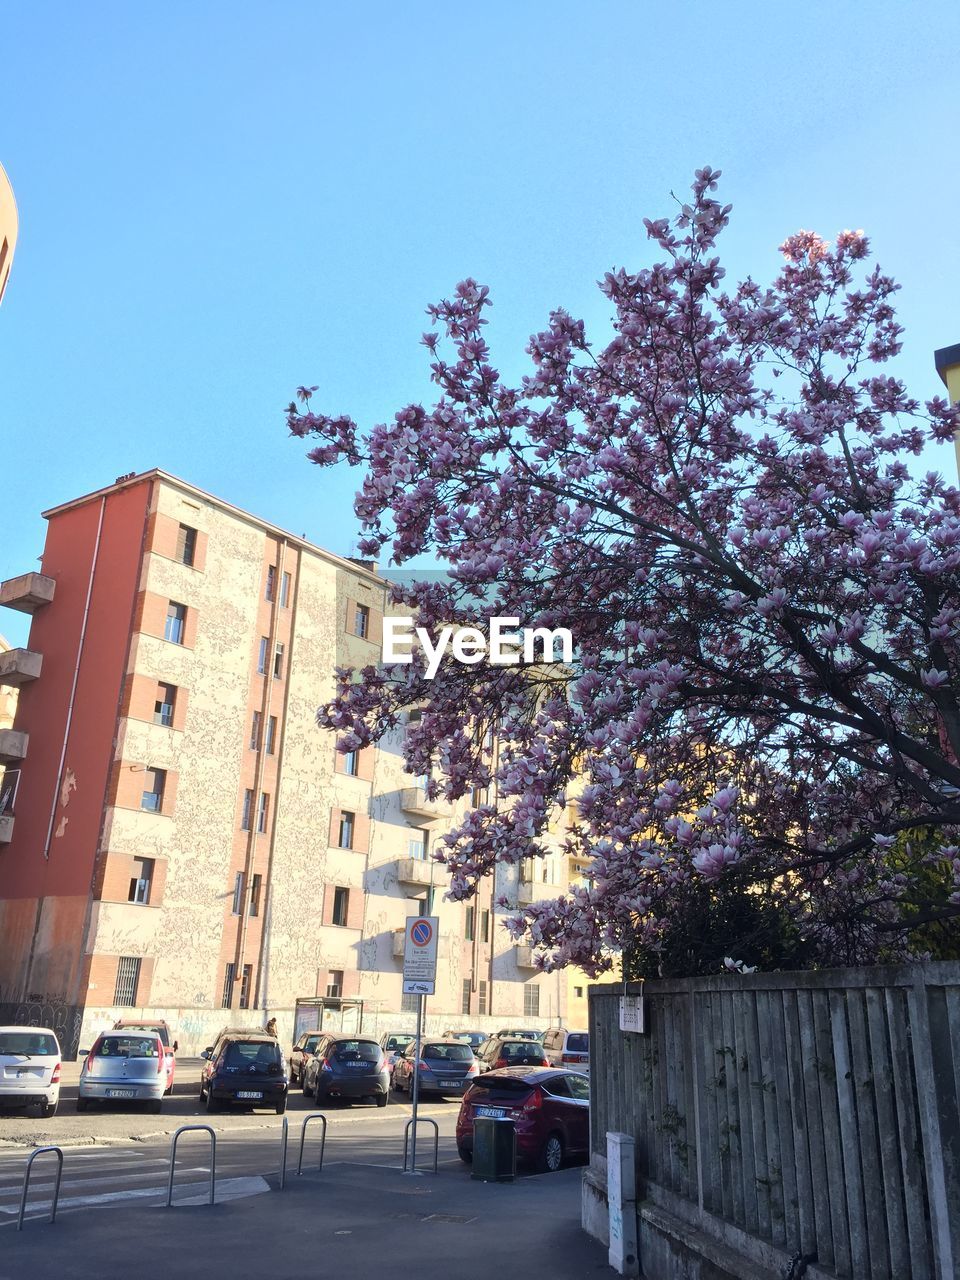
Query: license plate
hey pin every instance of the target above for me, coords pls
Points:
(247, 1093)
(121, 1093)
(450, 1084)
(494, 1113)
(356, 1064)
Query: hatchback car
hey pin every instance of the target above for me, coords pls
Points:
(550, 1110)
(446, 1066)
(245, 1068)
(565, 1048)
(348, 1068)
(300, 1053)
(497, 1053)
(30, 1069)
(170, 1046)
(124, 1066)
(392, 1043)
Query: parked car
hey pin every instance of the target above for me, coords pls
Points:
(30, 1063)
(521, 1033)
(446, 1066)
(349, 1068)
(170, 1046)
(565, 1048)
(550, 1109)
(498, 1052)
(124, 1066)
(473, 1038)
(300, 1053)
(244, 1067)
(393, 1043)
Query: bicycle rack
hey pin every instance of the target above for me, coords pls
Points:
(314, 1115)
(189, 1128)
(26, 1183)
(283, 1151)
(436, 1140)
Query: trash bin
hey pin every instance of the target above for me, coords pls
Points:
(494, 1149)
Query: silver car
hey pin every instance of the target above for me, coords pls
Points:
(124, 1066)
(30, 1068)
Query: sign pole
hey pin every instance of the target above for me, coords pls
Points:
(416, 1084)
(419, 979)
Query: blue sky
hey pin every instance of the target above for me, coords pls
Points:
(219, 201)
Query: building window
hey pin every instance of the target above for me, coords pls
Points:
(255, 895)
(361, 621)
(481, 996)
(247, 818)
(154, 782)
(478, 796)
(416, 848)
(531, 1000)
(469, 931)
(262, 655)
(186, 544)
(334, 984)
(141, 880)
(176, 622)
(263, 810)
(409, 1003)
(271, 590)
(578, 992)
(345, 839)
(128, 978)
(237, 895)
(351, 763)
(245, 983)
(255, 731)
(485, 926)
(278, 662)
(284, 590)
(341, 905)
(465, 996)
(271, 735)
(227, 998)
(164, 706)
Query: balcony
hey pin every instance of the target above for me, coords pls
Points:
(19, 666)
(399, 939)
(29, 592)
(418, 871)
(13, 746)
(6, 828)
(9, 784)
(415, 804)
(524, 957)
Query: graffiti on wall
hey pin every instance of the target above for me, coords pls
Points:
(63, 1019)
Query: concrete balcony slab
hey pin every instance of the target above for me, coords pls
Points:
(19, 666)
(28, 592)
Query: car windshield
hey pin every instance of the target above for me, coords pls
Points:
(259, 1054)
(578, 1042)
(449, 1052)
(495, 1084)
(29, 1042)
(352, 1050)
(398, 1042)
(522, 1035)
(520, 1049)
(310, 1044)
(157, 1031)
(126, 1047)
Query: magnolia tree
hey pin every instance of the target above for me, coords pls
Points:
(764, 602)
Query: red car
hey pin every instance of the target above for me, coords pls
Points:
(550, 1109)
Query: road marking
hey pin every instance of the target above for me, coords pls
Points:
(15, 1188)
(227, 1189)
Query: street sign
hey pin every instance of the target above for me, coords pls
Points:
(420, 955)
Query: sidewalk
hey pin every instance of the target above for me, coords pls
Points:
(351, 1219)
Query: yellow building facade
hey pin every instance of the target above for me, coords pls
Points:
(9, 224)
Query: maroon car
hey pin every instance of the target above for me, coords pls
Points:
(550, 1109)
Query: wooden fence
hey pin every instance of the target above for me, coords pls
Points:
(818, 1113)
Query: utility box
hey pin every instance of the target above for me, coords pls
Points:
(494, 1150)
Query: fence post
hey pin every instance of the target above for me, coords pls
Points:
(623, 1255)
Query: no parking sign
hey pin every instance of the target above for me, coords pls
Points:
(420, 955)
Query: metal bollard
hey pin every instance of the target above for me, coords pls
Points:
(26, 1183)
(436, 1140)
(283, 1151)
(190, 1128)
(314, 1115)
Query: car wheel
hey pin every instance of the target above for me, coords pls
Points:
(307, 1091)
(281, 1106)
(82, 1104)
(212, 1106)
(154, 1108)
(202, 1094)
(47, 1109)
(465, 1155)
(551, 1154)
(382, 1099)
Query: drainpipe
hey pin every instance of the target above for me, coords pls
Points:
(265, 703)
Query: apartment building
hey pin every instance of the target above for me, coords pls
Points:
(183, 839)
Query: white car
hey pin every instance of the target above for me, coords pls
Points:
(30, 1068)
(563, 1048)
